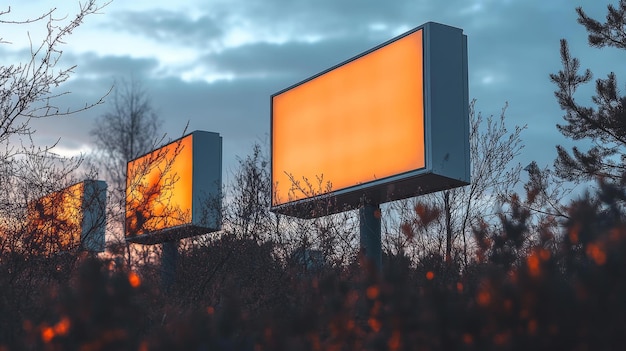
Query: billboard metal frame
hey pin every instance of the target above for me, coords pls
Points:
(51, 213)
(206, 178)
(446, 128)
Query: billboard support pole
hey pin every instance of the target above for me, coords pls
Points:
(370, 242)
(169, 258)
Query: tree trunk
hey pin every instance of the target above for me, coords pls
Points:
(446, 204)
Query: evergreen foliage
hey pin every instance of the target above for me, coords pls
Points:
(603, 124)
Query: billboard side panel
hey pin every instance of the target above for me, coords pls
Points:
(448, 107)
(94, 215)
(468, 166)
(207, 180)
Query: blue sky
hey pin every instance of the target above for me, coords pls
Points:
(215, 63)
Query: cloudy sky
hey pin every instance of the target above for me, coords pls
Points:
(215, 63)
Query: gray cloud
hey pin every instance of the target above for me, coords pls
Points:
(513, 47)
(170, 27)
(274, 18)
(108, 67)
(296, 59)
(330, 17)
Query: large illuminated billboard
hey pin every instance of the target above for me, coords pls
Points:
(388, 124)
(70, 219)
(174, 191)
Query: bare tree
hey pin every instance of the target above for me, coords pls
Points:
(129, 129)
(247, 213)
(493, 178)
(29, 90)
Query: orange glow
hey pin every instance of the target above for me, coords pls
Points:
(502, 338)
(58, 217)
(372, 292)
(533, 265)
(596, 253)
(483, 298)
(395, 342)
(532, 326)
(357, 123)
(63, 327)
(47, 334)
(430, 275)
(573, 234)
(468, 338)
(134, 280)
(350, 325)
(375, 324)
(615, 234)
(159, 188)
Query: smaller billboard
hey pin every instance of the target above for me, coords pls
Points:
(70, 219)
(174, 192)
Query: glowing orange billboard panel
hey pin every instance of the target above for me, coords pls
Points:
(385, 121)
(173, 192)
(352, 130)
(70, 219)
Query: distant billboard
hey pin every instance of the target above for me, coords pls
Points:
(385, 125)
(70, 219)
(174, 191)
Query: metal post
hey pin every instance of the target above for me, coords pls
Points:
(369, 220)
(169, 257)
